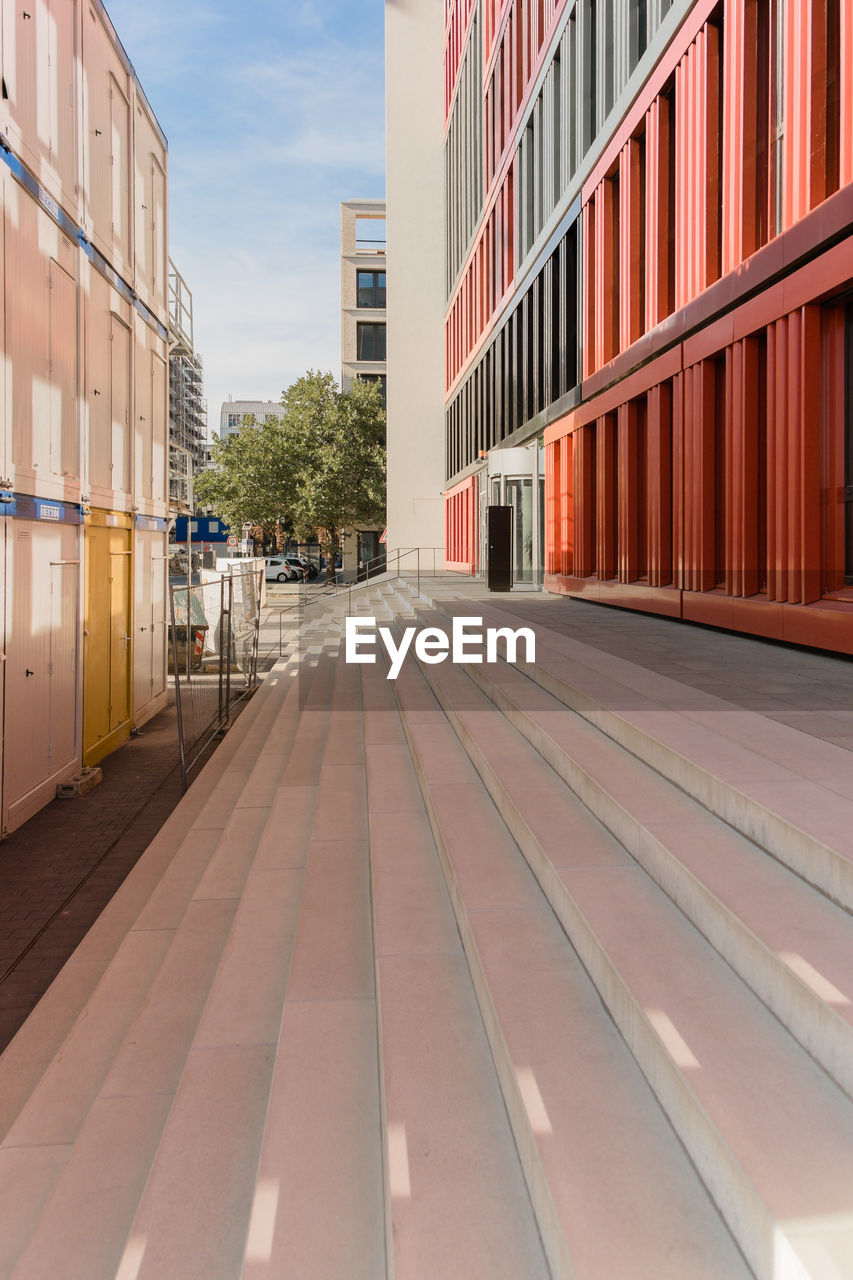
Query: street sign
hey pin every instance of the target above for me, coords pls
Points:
(384, 537)
(232, 541)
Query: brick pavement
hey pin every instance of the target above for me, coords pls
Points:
(59, 870)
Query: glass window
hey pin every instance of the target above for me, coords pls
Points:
(370, 289)
(519, 496)
(371, 341)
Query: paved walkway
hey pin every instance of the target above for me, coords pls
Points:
(806, 689)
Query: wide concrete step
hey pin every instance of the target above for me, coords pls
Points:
(457, 1203)
(787, 940)
(788, 791)
(318, 1204)
(93, 1126)
(748, 1103)
(614, 1191)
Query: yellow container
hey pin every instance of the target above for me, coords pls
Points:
(107, 636)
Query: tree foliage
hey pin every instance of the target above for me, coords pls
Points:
(251, 480)
(319, 467)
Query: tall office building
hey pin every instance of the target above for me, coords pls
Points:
(647, 278)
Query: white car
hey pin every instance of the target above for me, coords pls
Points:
(278, 569)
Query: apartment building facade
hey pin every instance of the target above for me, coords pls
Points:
(233, 412)
(648, 274)
(83, 436)
(364, 332)
(363, 293)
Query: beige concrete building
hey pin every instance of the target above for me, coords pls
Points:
(415, 306)
(363, 335)
(363, 291)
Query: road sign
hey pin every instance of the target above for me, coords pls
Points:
(384, 537)
(232, 541)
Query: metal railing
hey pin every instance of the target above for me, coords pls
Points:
(414, 562)
(214, 656)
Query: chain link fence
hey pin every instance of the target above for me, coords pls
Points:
(213, 655)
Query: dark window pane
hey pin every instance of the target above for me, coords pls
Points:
(371, 341)
(370, 289)
(365, 288)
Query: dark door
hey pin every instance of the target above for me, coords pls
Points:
(499, 538)
(848, 447)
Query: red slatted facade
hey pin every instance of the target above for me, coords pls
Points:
(702, 474)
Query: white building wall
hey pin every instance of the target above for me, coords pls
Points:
(415, 235)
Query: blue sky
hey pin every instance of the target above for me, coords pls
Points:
(274, 112)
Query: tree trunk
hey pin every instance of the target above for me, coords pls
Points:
(331, 546)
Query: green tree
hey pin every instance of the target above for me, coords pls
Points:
(339, 440)
(319, 467)
(252, 479)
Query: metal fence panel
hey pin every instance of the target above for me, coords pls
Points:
(214, 654)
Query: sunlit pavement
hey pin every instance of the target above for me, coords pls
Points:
(546, 972)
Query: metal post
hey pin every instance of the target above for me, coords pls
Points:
(419, 571)
(181, 751)
(228, 651)
(189, 522)
(257, 636)
(221, 644)
(188, 633)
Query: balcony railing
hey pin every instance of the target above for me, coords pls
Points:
(370, 246)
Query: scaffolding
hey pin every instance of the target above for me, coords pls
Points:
(187, 405)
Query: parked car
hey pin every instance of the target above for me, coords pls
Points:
(299, 565)
(278, 569)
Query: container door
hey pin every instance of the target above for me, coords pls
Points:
(5, 407)
(61, 60)
(62, 711)
(120, 339)
(158, 624)
(120, 160)
(142, 409)
(62, 364)
(96, 654)
(149, 648)
(107, 656)
(28, 657)
(159, 427)
(119, 635)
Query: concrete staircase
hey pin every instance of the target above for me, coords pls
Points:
(496, 971)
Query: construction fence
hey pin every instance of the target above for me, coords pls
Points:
(213, 655)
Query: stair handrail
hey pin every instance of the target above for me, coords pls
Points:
(335, 590)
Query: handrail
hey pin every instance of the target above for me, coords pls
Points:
(336, 589)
